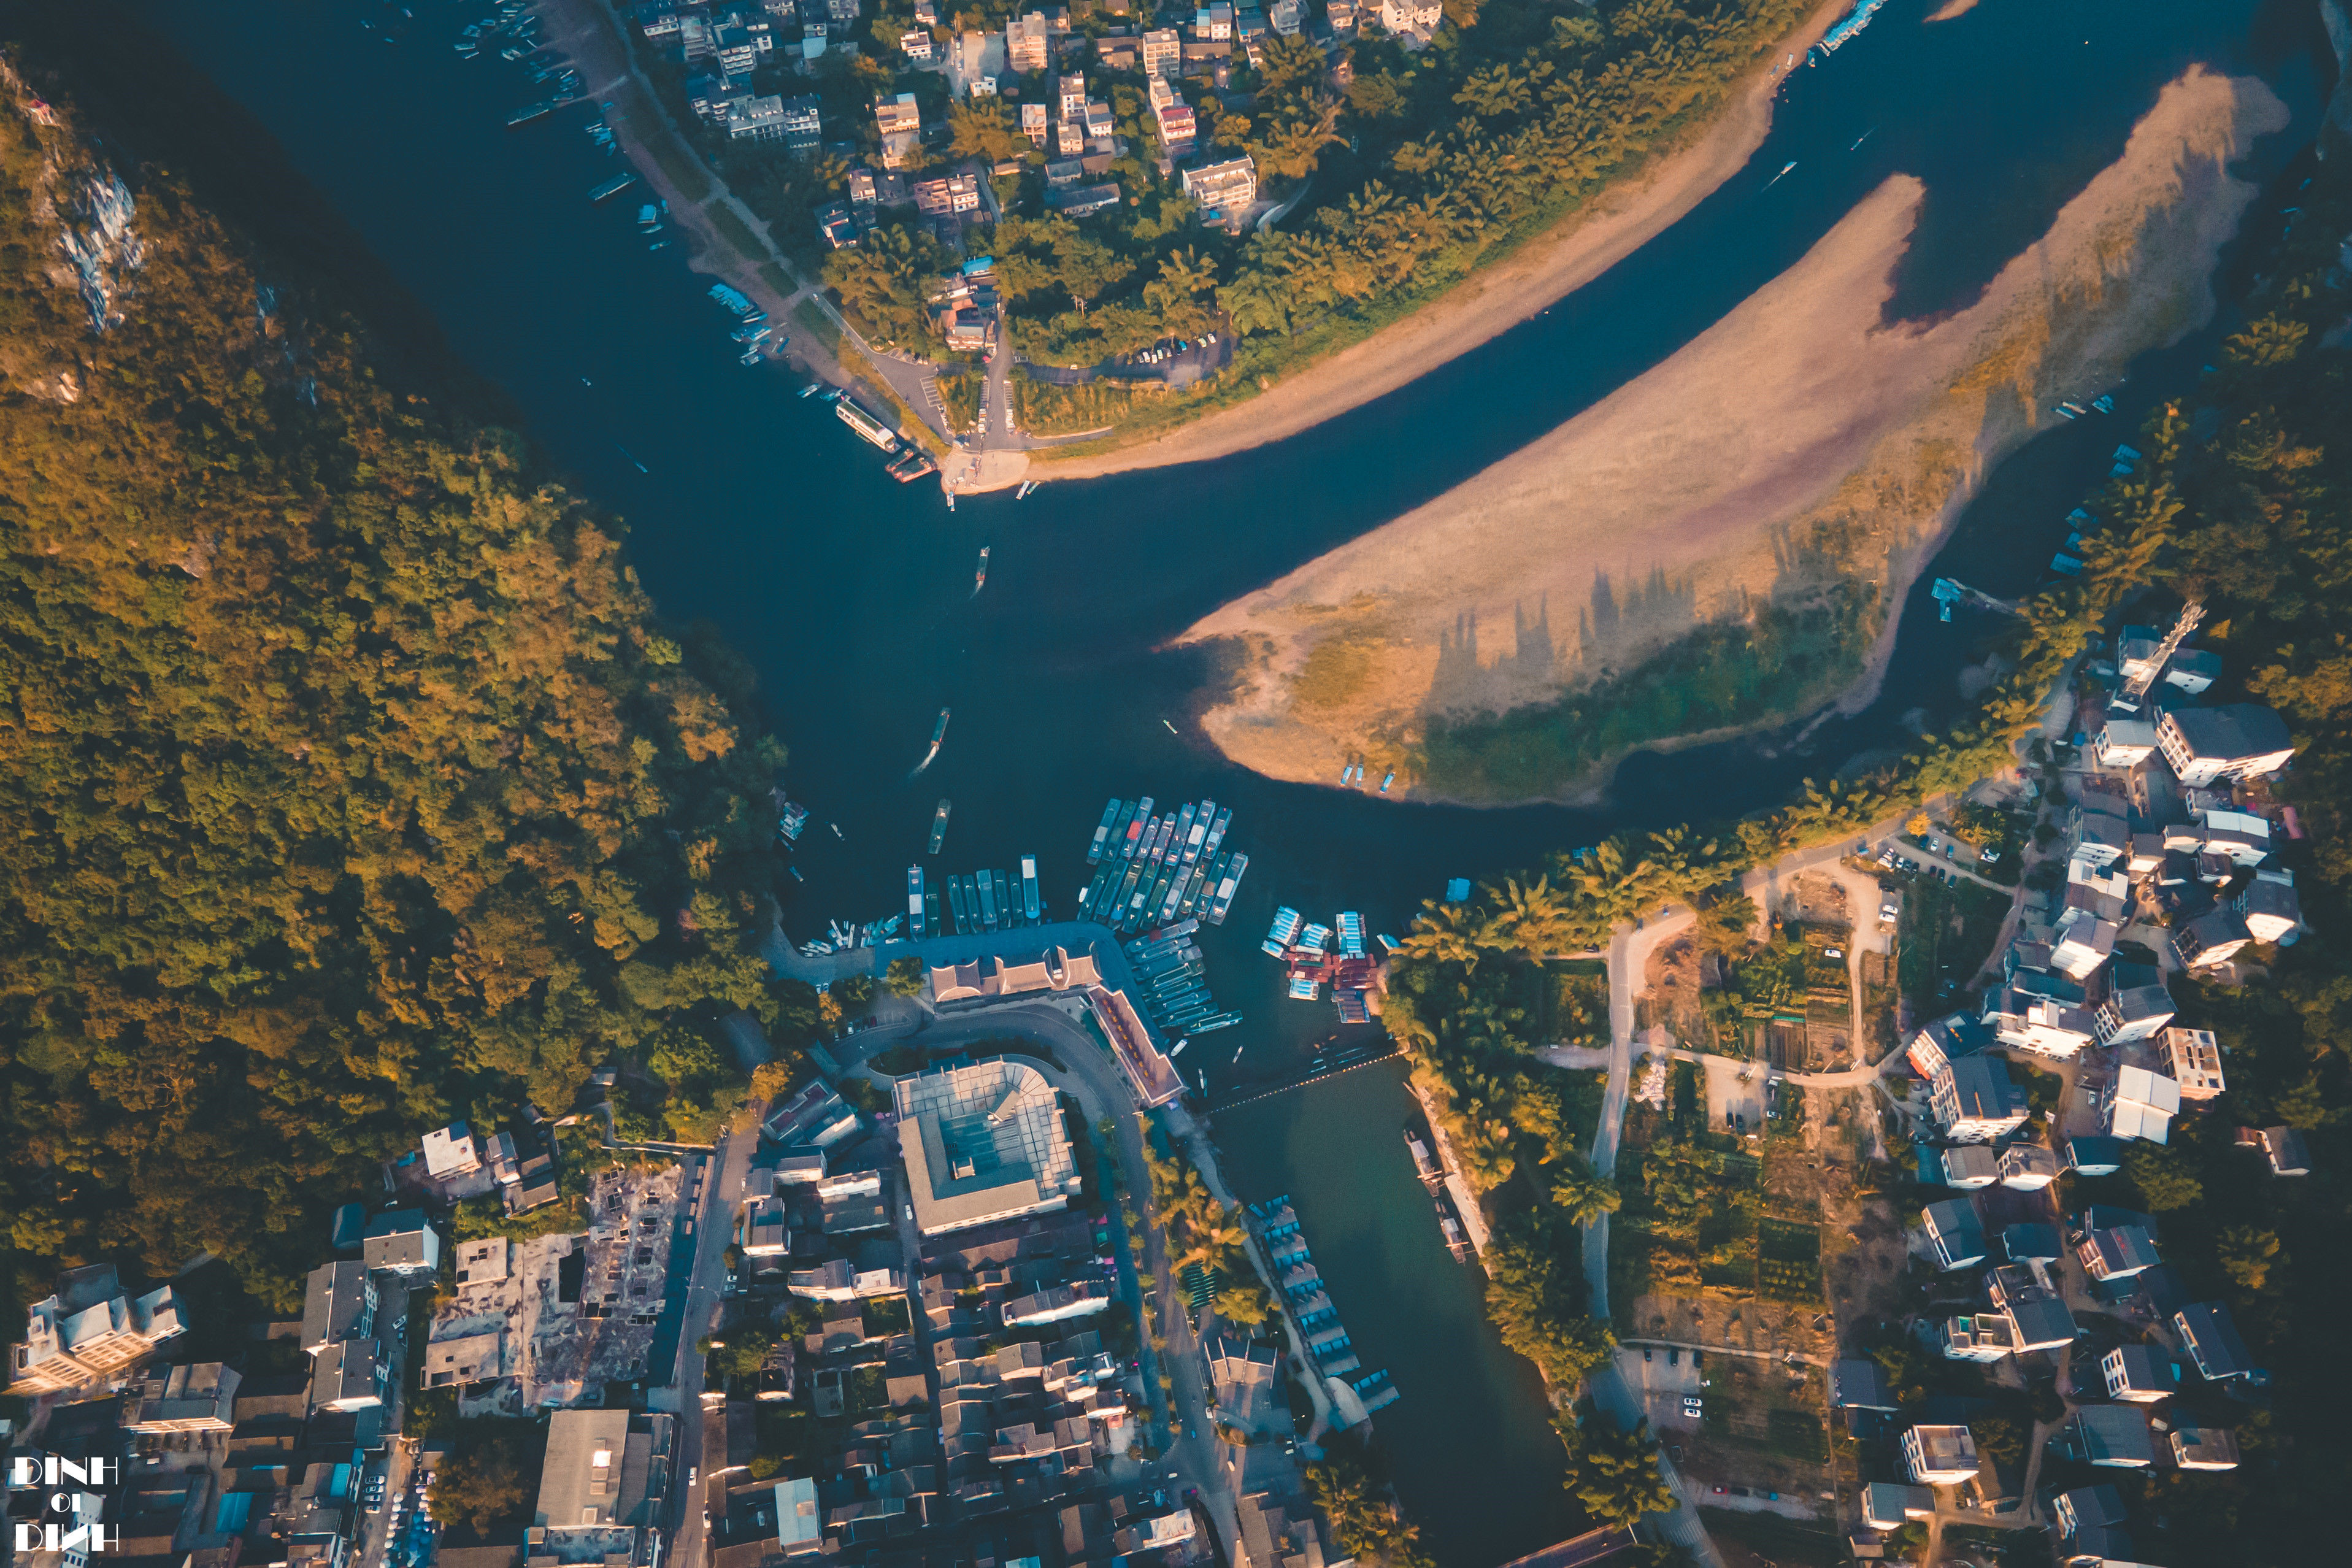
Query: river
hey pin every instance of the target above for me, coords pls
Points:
(851, 595)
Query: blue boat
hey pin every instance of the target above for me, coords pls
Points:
(1029, 901)
(1223, 904)
(1102, 834)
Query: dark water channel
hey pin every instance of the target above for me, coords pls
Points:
(849, 593)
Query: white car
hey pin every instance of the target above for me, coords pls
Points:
(1887, 912)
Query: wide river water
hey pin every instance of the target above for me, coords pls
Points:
(852, 594)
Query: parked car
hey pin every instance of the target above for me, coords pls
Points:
(1691, 1406)
(1988, 854)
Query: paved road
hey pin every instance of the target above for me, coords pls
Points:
(1629, 959)
(588, 33)
(722, 1188)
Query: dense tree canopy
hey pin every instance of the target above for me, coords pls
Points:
(351, 785)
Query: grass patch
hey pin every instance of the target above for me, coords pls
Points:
(961, 391)
(776, 278)
(1790, 1543)
(646, 128)
(1724, 675)
(1338, 668)
(727, 222)
(1789, 1261)
(1043, 408)
(1576, 1007)
(1948, 932)
(1794, 1435)
(818, 325)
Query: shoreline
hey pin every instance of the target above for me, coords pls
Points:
(1862, 443)
(1579, 247)
(1489, 301)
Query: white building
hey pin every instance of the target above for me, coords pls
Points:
(1163, 52)
(2239, 740)
(1224, 191)
(982, 1143)
(2139, 1103)
(1940, 1456)
(1415, 19)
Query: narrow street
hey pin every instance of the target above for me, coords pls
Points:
(724, 1172)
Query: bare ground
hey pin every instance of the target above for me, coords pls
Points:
(1800, 440)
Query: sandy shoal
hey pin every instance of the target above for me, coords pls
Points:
(1801, 435)
(1492, 301)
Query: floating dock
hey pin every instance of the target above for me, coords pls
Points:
(1308, 1304)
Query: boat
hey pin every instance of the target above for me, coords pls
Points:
(527, 112)
(1388, 781)
(957, 903)
(1179, 1049)
(1223, 903)
(915, 901)
(987, 889)
(1183, 834)
(864, 423)
(810, 390)
(939, 825)
(1030, 904)
(1777, 178)
(2104, 404)
(1279, 937)
(1217, 832)
(1423, 1161)
(1200, 833)
(795, 870)
(837, 831)
(1136, 828)
(1026, 486)
(931, 912)
(612, 187)
(979, 581)
(748, 357)
(939, 734)
(1843, 33)
(1102, 831)
(2067, 410)
(951, 500)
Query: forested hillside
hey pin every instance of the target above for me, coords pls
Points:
(349, 786)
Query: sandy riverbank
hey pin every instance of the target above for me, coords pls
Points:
(1491, 301)
(1800, 448)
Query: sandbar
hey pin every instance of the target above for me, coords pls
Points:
(1800, 442)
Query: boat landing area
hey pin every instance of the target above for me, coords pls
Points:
(971, 473)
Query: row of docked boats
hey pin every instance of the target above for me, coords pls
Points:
(1432, 1179)
(977, 901)
(1308, 1306)
(1171, 984)
(1156, 870)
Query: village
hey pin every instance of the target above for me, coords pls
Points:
(913, 1309)
(1926, 1321)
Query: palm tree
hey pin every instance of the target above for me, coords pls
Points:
(1445, 933)
(1580, 1193)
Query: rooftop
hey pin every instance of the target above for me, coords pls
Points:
(982, 1143)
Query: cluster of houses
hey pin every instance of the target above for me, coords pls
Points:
(2167, 848)
(721, 44)
(1016, 1415)
(200, 1464)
